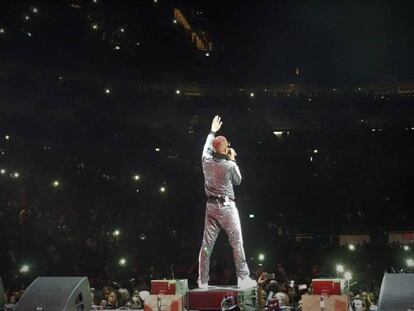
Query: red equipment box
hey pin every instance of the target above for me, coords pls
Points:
(163, 302)
(169, 287)
(317, 302)
(164, 287)
(327, 286)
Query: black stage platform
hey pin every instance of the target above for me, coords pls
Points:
(212, 298)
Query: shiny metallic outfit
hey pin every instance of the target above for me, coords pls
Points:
(220, 175)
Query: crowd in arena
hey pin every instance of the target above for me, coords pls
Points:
(89, 188)
(100, 150)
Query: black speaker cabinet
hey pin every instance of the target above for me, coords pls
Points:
(397, 292)
(2, 297)
(57, 294)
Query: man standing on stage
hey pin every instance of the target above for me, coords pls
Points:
(220, 174)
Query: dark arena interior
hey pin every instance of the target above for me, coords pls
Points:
(105, 107)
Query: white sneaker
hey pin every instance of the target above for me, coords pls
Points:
(246, 282)
(202, 285)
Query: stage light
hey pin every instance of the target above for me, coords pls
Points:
(157, 149)
(174, 21)
(117, 47)
(155, 1)
(178, 92)
(136, 177)
(261, 257)
(315, 150)
(410, 262)
(15, 175)
(95, 26)
(142, 236)
(27, 17)
(251, 216)
(340, 268)
(311, 159)
(2, 171)
(2, 30)
(107, 91)
(116, 233)
(35, 10)
(351, 247)
(207, 54)
(55, 183)
(309, 99)
(122, 29)
(29, 34)
(278, 134)
(122, 262)
(95, 1)
(251, 94)
(60, 78)
(138, 44)
(348, 276)
(406, 248)
(7, 137)
(163, 189)
(24, 269)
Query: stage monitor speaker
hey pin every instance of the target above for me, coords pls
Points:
(2, 296)
(397, 292)
(57, 294)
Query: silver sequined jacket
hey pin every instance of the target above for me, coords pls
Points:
(220, 174)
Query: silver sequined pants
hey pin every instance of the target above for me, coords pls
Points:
(220, 216)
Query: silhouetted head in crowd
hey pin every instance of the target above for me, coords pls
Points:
(96, 297)
(106, 291)
(124, 296)
(113, 299)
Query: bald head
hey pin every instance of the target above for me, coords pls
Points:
(220, 144)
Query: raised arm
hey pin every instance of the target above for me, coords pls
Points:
(208, 148)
